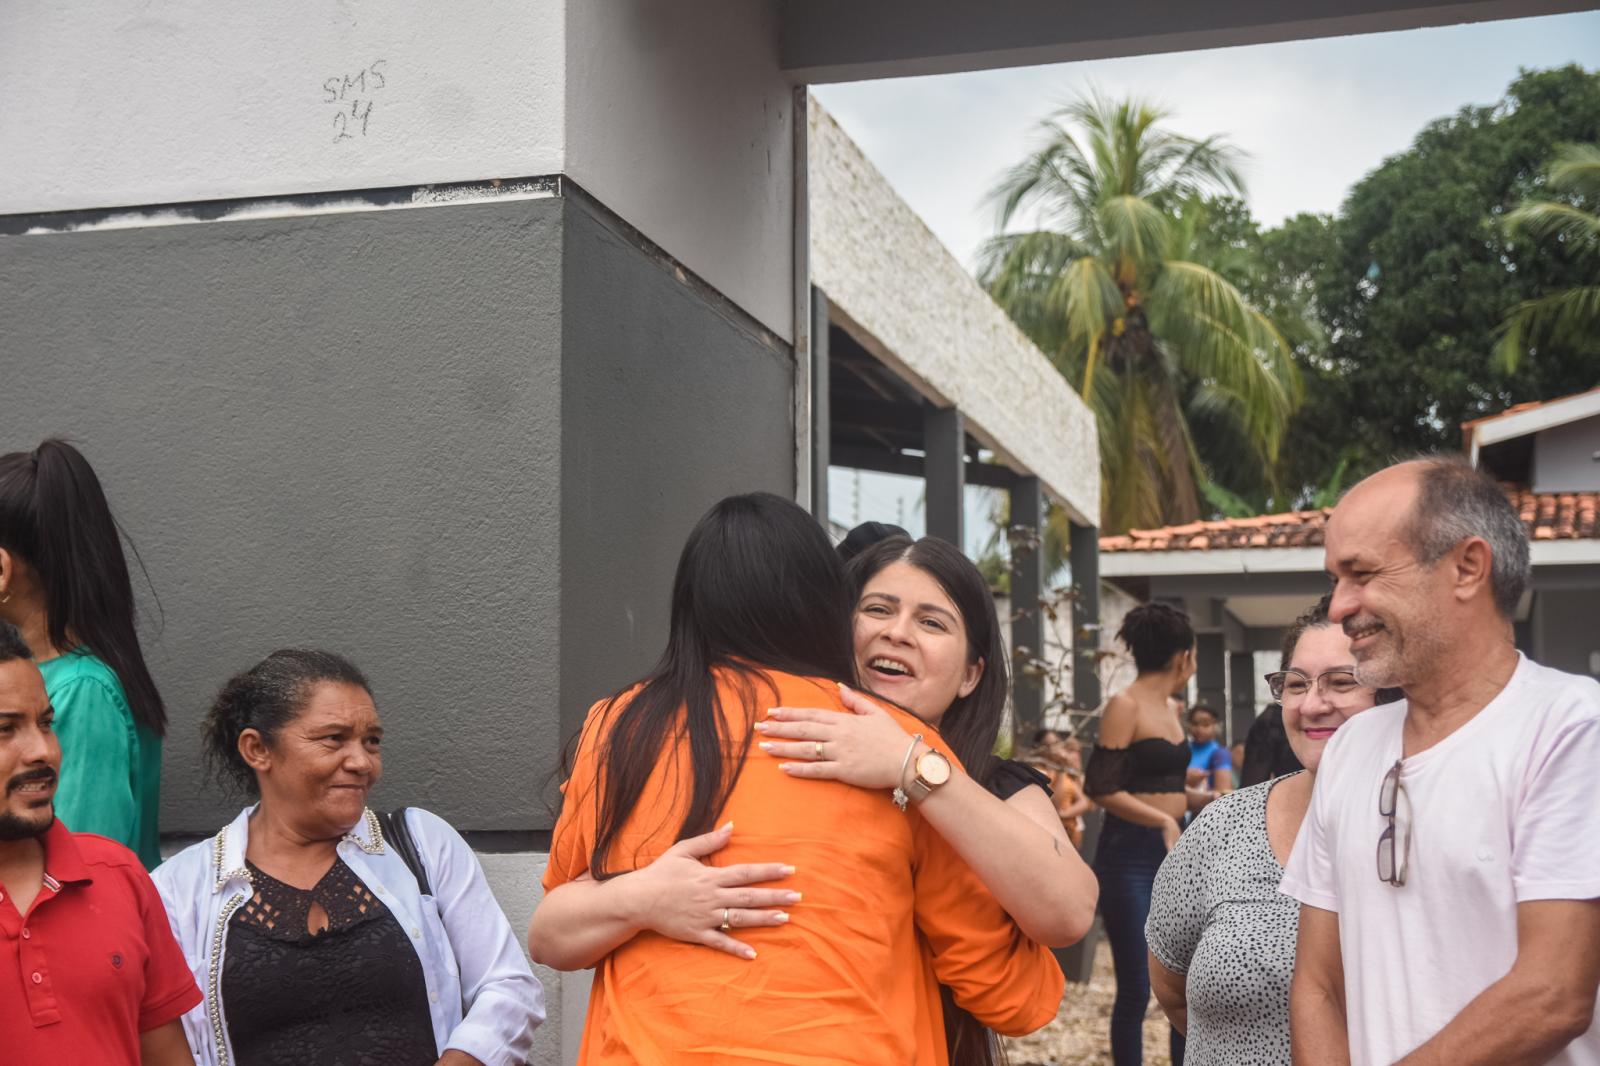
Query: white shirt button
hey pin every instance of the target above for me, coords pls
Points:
(415, 933)
(36, 978)
(27, 934)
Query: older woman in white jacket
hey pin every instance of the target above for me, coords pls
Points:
(320, 932)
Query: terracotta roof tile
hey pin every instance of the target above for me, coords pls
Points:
(1297, 529)
(1548, 516)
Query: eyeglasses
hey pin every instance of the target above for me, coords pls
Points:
(1334, 685)
(1394, 846)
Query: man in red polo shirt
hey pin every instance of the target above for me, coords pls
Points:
(89, 969)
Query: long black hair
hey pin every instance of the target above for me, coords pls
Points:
(969, 727)
(972, 723)
(54, 516)
(758, 587)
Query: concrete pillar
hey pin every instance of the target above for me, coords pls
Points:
(1027, 587)
(1083, 549)
(1211, 677)
(944, 443)
(1242, 689)
(821, 426)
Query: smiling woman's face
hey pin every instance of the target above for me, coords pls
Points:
(322, 764)
(911, 642)
(1312, 719)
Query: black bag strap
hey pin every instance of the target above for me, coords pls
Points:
(397, 834)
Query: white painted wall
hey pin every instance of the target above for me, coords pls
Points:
(107, 103)
(912, 304)
(678, 119)
(674, 116)
(515, 878)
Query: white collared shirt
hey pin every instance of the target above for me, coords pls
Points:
(482, 995)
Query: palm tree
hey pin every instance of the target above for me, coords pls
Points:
(1110, 288)
(1570, 316)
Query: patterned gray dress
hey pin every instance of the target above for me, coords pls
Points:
(1216, 916)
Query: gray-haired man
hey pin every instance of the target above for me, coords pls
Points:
(1449, 868)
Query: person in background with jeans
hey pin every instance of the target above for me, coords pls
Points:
(1447, 871)
(1137, 774)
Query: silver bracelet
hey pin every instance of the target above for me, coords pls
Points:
(899, 795)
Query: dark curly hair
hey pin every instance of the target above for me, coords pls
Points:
(267, 697)
(1154, 633)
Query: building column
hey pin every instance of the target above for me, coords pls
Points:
(1242, 689)
(1083, 552)
(1211, 674)
(1027, 617)
(821, 420)
(944, 444)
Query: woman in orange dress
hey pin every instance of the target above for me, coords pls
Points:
(882, 909)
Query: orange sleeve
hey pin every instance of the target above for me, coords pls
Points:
(1008, 982)
(572, 840)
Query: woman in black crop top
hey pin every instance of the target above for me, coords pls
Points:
(1136, 774)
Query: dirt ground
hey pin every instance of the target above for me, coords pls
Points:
(1080, 1034)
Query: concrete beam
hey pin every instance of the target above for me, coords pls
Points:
(887, 462)
(845, 40)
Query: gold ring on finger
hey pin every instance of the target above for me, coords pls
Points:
(726, 924)
(818, 746)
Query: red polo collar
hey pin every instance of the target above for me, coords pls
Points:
(63, 862)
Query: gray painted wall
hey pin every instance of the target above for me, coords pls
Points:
(671, 399)
(462, 444)
(1567, 458)
(338, 431)
(1565, 632)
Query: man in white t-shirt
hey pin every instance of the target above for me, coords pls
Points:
(1449, 867)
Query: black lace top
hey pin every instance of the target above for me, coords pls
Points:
(1153, 764)
(351, 995)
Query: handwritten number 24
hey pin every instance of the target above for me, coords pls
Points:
(343, 123)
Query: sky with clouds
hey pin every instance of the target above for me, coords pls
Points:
(1313, 116)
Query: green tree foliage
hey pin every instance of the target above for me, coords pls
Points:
(1117, 287)
(1568, 318)
(1278, 272)
(1422, 274)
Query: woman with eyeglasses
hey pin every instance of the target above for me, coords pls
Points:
(1221, 935)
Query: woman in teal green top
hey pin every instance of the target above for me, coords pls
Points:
(64, 584)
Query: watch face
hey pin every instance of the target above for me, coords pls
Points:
(933, 768)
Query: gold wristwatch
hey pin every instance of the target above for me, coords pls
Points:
(932, 770)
